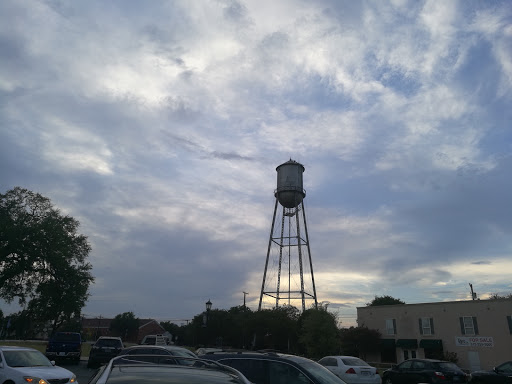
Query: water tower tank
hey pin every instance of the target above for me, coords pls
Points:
(289, 190)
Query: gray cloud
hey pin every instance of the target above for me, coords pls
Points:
(160, 127)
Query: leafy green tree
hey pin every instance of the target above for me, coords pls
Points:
(274, 328)
(384, 300)
(125, 325)
(358, 341)
(43, 260)
(319, 332)
(496, 296)
(174, 329)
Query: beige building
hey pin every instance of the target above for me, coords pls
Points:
(478, 331)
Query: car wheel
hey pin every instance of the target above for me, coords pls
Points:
(387, 380)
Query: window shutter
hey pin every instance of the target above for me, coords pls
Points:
(432, 325)
(475, 325)
(462, 329)
(509, 319)
(421, 326)
(394, 326)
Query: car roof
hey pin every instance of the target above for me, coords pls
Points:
(167, 374)
(430, 360)
(168, 347)
(254, 355)
(109, 337)
(126, 369)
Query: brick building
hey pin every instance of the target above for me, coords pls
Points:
(95, 327)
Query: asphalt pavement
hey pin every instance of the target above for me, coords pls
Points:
(83, 374)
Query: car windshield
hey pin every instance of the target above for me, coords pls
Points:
(354, 362)
(181, 352)
(108, 343)
(26, 359)
(320, 373)
(66, 337)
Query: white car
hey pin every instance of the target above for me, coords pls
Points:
(27, 365)
(351, 369)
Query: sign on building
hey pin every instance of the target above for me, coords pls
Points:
(475, 341)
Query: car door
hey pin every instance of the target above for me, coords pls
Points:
(2, 369)
(420, 372)
(254, 369)
(331, 363)
(282, 373)
(403, 373)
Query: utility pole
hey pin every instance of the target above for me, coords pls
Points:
(473, 294)
(245, 293)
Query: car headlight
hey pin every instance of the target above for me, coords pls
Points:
(73, 379)
(34, 380)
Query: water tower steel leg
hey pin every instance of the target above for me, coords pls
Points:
(289, 263)
(309, 253)
(268, 254)
(299, 246)
(280, 260)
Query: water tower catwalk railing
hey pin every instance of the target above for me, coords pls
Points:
(289, 244)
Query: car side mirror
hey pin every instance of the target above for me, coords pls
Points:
(52, 362)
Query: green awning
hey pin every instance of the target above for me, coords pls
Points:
(407, 343)
(387, 343)
(431, 343)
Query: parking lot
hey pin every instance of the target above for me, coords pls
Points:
(83, 374)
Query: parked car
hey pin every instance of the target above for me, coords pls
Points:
(203, 351)
(104, 349)
(414, 371)
(499, 375)
(129, 369)
(273, 368)
(64, 346)
(155, 340)
(351, 369)
(27, 365)
(157, 350)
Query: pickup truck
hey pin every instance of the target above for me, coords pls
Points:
(64, 346)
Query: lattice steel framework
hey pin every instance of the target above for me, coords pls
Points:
(288, 252)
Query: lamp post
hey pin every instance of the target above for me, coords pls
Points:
(206, 315)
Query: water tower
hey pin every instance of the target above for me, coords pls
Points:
(288, 275)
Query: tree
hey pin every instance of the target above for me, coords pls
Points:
(319, 332)
(125, 325)
(174, 329)
(358, 341)
(43, 260)
(496, 296)
(384, 300)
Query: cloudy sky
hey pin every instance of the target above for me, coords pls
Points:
(159, 126)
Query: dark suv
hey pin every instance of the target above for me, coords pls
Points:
(104, 349)
(274, 368)
(414, 371)
(64, 346)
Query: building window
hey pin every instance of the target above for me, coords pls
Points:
(468, 325)
(426, 326)
(390, 327)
